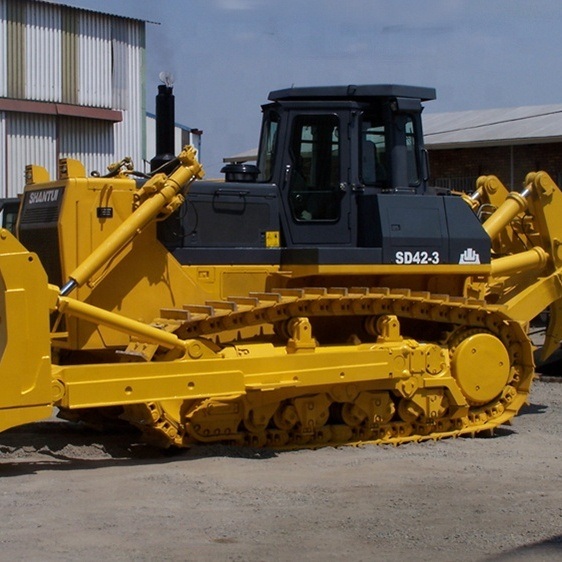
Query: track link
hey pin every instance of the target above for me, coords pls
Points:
(438, 394)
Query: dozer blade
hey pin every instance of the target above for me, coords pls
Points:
(25, 360)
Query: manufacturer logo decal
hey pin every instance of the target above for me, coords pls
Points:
(43, 196)
(469, 256)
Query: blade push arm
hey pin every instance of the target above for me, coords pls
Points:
(163, 191)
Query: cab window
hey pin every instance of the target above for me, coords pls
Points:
(374, 165)
(268, 146)
(414, 176)
(314, 189)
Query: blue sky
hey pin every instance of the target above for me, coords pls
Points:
(226, 55)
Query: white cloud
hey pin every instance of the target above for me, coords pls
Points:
(237, 4)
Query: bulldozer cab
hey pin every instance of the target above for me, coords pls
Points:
(341, 178)
(325, 146)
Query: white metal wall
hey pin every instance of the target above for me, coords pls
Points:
(94, 66)
(29, 139)
(128, 80)
(93, 146)
(3, 184)
(3, 26)
(43, 54)
(70, 56)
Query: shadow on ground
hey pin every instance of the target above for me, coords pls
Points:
(548, 549)
(61, 445)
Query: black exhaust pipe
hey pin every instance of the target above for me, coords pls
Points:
(165, 127)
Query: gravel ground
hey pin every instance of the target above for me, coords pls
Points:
(68, 493)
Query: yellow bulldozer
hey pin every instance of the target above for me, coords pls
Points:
(326, 296)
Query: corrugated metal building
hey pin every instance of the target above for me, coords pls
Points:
(507, 142)
(71, 85)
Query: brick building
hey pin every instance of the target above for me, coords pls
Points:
(508, 143)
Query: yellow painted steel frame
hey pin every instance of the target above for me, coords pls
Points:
(489, 196)
(27, 390)
(141, 278)
(527, 233)
(234, 371)
(161, 194)
(207, 372)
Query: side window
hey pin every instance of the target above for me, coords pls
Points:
(374, 167)
(375, 164)
(268, 145)
(413, 164)
(314, 189)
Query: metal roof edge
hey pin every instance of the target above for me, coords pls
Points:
(73, 7)
(491, 143)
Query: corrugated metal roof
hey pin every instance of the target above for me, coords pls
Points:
(493, 127)
(65, 4)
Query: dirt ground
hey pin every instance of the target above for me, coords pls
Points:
(68, 493)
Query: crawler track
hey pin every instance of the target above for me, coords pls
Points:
(434, 366)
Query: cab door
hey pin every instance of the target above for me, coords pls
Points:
(315, 188)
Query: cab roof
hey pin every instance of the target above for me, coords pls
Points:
(353, 92)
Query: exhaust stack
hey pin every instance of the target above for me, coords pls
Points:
(165, 120)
